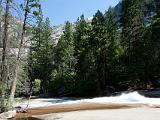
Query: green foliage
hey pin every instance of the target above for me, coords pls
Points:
(65, 48)
(64, 61)
(81, 39)
(41, 54)
(37, 86)
(94, 56)
(97, 43)
(154, 42)
(63, 85)
(88, 86)
(132, 39)
(84, 67)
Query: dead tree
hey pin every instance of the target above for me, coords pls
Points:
(13, 87)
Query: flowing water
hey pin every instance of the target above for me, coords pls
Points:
(124, 98)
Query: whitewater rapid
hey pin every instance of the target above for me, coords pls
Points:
(125, 98)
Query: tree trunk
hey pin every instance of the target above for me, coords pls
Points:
(13, 88)
(0, 23)
(4, 58)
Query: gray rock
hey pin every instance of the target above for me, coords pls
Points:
(7, 115)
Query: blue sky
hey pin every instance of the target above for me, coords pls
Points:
(61, 10)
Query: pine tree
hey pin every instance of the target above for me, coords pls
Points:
(110, 46)
(65, 50)
(64, 62)
(86, 78)
(155, 39)
(96, 42)
(42, 55)
(132, 38)
(35, 42)
(81, 38)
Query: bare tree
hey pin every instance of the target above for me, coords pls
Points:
(27, 10)
(13, 89)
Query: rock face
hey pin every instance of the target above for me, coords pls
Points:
(148, 9)
(58, 32)
(7, 115)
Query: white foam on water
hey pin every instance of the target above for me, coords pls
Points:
(128, 98)
(125, 98)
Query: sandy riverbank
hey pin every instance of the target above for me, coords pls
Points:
(72, 107)
(76, 107)
(141, 113)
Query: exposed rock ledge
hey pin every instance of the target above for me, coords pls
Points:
(7, 115)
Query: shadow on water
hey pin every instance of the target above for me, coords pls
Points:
(62, 100)
(28, 118)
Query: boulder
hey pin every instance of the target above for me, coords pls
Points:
(7, 115)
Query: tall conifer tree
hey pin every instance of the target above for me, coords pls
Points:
(110, 45)
(155, 38)
(132, 38)
(96, 42)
